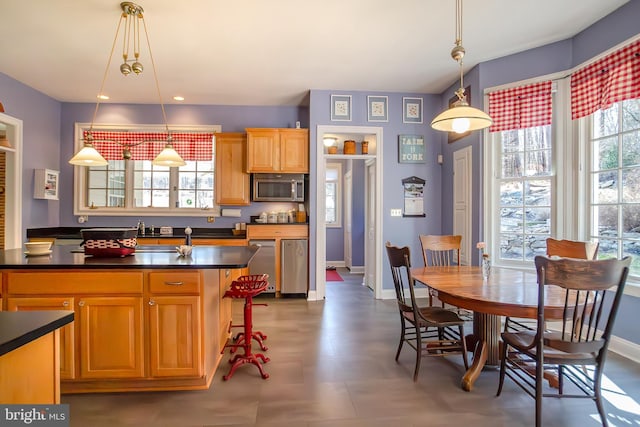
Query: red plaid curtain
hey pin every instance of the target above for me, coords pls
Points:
(191, 146)
(521, 107)
(612, 79)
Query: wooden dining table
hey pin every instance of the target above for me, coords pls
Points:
(506, 292)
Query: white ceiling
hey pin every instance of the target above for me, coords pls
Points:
(257, 52)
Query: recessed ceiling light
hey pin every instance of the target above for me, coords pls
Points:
(178, 98)
(103, 97)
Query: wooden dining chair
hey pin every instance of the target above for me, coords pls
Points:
(580, 338)
(430, 331)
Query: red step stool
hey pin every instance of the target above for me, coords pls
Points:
(247, 287)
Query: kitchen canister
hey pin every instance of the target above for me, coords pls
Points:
(365, 147)
(283, 217)
(272, 217)
(349, 147)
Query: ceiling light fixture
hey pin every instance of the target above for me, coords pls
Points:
(132, 15)
(460, 117)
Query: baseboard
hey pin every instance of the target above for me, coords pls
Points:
(335, 263)
(312, 296)
(357, 269)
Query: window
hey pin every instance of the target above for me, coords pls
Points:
(614, 177)
(125, 187)
(525, 197)
(333, 191)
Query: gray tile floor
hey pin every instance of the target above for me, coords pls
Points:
(332, 365)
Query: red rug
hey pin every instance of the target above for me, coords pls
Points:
(333, 276)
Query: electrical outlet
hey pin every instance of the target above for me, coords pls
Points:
(211, 219)
(396, 212)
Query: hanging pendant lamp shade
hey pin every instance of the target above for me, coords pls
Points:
(461, 117)
(131, 20)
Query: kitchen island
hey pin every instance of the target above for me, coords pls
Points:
(149, 321)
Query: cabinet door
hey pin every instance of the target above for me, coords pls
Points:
(174, 328)
(263, 150)
(111, 340)
(66, 332)
(294, 150)
(232, 182)
(226, 277)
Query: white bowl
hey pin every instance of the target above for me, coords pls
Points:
(37, 247)
(184, 250)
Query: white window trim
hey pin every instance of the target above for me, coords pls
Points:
(80, 207)
(339, 200)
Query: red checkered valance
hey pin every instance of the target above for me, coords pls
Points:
(614, 78)
(191, 146)
(520, 107)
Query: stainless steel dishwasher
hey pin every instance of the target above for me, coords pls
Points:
(264, 261)
(294, 271)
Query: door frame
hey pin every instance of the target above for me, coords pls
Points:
(347, 217)
(466, 174)
(321, 238)
(13, 189)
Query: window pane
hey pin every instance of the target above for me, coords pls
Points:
(631, 149)
(607, 249)
(187, 199)
(187, 180)
(631, 114)
(511, 247)
(105, 184)
(510, 220)
(538, 192)
(538, 163)
(632, 248)
(511, 142)
(605, 221)
(631, 185)
(160, 199)
(605, 122)
(535, 245)
(512, 165)
(605, 154)
(631, 221)
(195, 189)
(511, 193)
(605, 187)
(538, 220)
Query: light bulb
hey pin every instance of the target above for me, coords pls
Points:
(460, 125)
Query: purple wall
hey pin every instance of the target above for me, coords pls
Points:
(40, 117)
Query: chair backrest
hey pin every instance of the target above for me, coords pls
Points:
(572, 249)
(400, 262)
(585, 283)
(440, 250)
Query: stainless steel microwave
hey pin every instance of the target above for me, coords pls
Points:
(274, 187)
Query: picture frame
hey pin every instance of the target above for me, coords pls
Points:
(453, 136)
(377, 108)
(411, 110)
(340, 108)
(411, 149)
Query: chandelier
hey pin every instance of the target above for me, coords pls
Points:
(132, 16)
(460, 117)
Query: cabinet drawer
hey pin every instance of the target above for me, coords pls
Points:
(174, 282)
(274, 231)
(70, 282)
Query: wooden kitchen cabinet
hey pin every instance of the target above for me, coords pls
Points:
(67, 338)
(174, 324)
(111, 337)
(277, 233)
(231, 182)
(277, 150)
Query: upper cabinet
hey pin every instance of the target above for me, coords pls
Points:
(232, 183)
(278, 150)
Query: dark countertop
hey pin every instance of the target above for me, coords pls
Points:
(18, 328)
(74, 233)
(65, 257)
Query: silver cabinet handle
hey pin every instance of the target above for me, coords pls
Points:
(227, 273)
(174, 283)
(81, 303)
(152, 302)
(65, 303)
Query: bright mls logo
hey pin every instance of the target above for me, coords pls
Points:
(35, 415)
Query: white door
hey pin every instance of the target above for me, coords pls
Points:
(462, 201)
(347, 200)
(370, 265)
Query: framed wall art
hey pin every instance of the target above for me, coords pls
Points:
(377, 110)
(411, 110)
(410, 149)
(453, 136)
(341, 108)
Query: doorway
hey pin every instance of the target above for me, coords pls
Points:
(462, 201)
(11, 188)
(359, 133)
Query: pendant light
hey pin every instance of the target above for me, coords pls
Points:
(132, 15)
(460, 117)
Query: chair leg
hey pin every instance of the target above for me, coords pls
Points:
(539, 380)
(401, 340)
(418, 353)
(503, 367)
(598, 396)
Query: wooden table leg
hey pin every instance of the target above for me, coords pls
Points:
(479, 360)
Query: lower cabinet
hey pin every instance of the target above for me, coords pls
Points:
(67, 339)
(174, 341)
(111, 337)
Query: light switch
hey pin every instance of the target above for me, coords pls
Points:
(396, 212)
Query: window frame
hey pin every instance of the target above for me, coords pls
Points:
(80, 202)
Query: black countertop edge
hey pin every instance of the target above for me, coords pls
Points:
(197, 233)
(18, 328)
